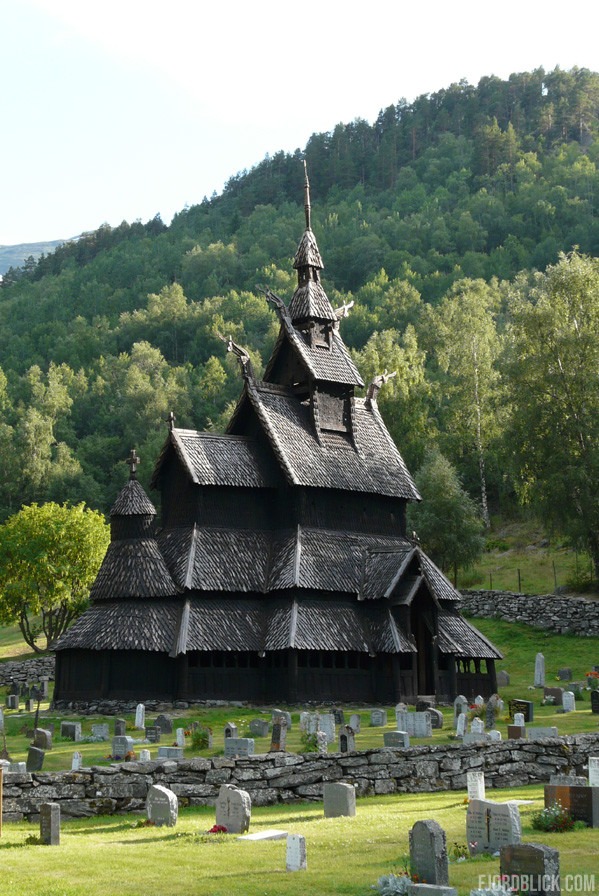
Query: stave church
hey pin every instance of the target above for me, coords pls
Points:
(280, 570)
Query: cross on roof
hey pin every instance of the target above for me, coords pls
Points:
(133, 460)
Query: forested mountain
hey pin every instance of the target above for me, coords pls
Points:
(425, 218)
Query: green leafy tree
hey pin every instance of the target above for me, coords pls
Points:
(49, 556)
(447, 521)
(552, 364)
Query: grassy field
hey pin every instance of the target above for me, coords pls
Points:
(345, 855)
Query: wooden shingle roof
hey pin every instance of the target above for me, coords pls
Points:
(310, 302)
(133, 568)
(132, 501)
(131, 625)
(457, 636)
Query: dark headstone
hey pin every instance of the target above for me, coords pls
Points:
(339, 717)
(436, 718)
(165, 723)
(530, 868)
(564, 674)
(581, 802)
(595, 702)
(516, 732)
(42, 739)
(423, 704)
(70, 730)
(556, 693)
(278, 738)
(523, 706)
(50, 824)
(30, 705)
(14, 688)
(35, 759)
(120, 727)
(162, 806)
(153, 733)
(428, 853)
(491, 712)
(503, 679)
(12, 701)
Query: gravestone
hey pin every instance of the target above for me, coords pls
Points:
(145, 756)
(556, 693)
(494, 735)
(153, 734)
(120, 727)
(180, 737)
(174, 753)
(278, 739)
(479, 700)
(489, 826)
(236, 747)
(491, 712)
(436, 718)
(378, 718)
(539, 680)
(594, 771)
(530, 868)
(259, 727)
(322, 744)
(30, 705)
(396, 739)
(339, 799)
(355, 722)
(18, 768)
(282, 712)
(475, 738)
(42, 739)
(461, 726)
(564, 674)
(233, 809)
(12, 701)
(140, 716)
(121, 746)
(44, 687)
(460, 705)
(477, 726)
(310, 722)
(76, 761)
(101, 731)
(581, 802)
(347, 739)
(519, 718)
(475, 783)
(522, 706)
(417, 724)
(14, 687)
(35, 759)
(162, 806)
(339, 716)
(568, 701)
(230, 730)
(70, 730)
(296, 859)
(428, 853)
(503, 679)
(595, 702)
(541, 733)
(1, 719)
(327, 724)
(165, 723)
(50, 824)
(568, 781)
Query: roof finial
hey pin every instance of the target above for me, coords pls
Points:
(307, 197)
(133, 460)
(171, 421)
(378, 381)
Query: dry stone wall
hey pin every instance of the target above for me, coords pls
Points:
(23, 671)
(286, 777)
(552, 612)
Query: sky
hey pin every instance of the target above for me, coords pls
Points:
(121, 109)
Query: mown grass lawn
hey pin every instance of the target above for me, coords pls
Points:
(345, 855)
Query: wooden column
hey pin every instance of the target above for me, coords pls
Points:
(453, 678)
(292, 676)
(181, 686)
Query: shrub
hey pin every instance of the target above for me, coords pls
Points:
(200, 739)
(554, 819)
(393, 885)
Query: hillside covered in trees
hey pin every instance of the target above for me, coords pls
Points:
(433, 219)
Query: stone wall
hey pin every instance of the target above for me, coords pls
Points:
(286, 777)
(23, 671)
(553, 612)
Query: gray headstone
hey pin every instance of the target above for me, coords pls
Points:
(491, 712)
(175, 753)
(282, 712)
(230, 730)
(347, 739)
(238, 746)
(539, 681)
(378, 717)
(101, 731)
(355, 722)
(233, 809)
(594, 771)
(530, 868)
(50, 824)
(396, 739)
(489, 826)
(568, 701)
(71, 730)
(35, 759)
(428, 853)
(144, 755)
(494, 735)
(18, 768)
(296, 859)
(479, 700)
(162, 806)
(180, 737)
(417, 724)
(44, 691)
(322, 743)
(12, 701)
(259, 727)
(42, 739)
(460, 705)
(120, 727)
(327, 724)
(121, 746)
(76, 761)
(140, 716)
(1, 719)
(339, 799)
(165, 723)
(503, 679)
(519, 719)
(30, 705)
(564, 674)
(278, 739)
(461, 725)
(477, 726)
(568, 781)
(541, 733)
(153, 734)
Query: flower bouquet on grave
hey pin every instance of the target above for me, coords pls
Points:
(218, 829)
